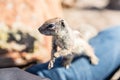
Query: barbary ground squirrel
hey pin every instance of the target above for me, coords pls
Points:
(70, 42)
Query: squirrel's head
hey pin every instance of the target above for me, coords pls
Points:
(52, 26)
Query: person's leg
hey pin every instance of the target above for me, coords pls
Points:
(107, 49)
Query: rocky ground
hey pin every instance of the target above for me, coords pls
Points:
(92, 13)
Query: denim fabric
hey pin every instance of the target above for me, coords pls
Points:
(107, 47)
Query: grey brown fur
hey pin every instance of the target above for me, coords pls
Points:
(70, 42)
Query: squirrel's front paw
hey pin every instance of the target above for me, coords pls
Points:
(66, 64)
(51, 64)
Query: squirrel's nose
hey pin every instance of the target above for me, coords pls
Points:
(39, 29)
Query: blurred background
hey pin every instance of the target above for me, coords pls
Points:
(22, 45)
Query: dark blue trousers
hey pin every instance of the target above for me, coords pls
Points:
(107, 48)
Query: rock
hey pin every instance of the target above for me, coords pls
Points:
(114, 4)
(27, 15)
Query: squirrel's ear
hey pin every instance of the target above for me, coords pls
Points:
(62, 23)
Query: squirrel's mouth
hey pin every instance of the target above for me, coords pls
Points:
(41, 30)
(45, 33)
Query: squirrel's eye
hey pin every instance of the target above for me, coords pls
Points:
(51, 26)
